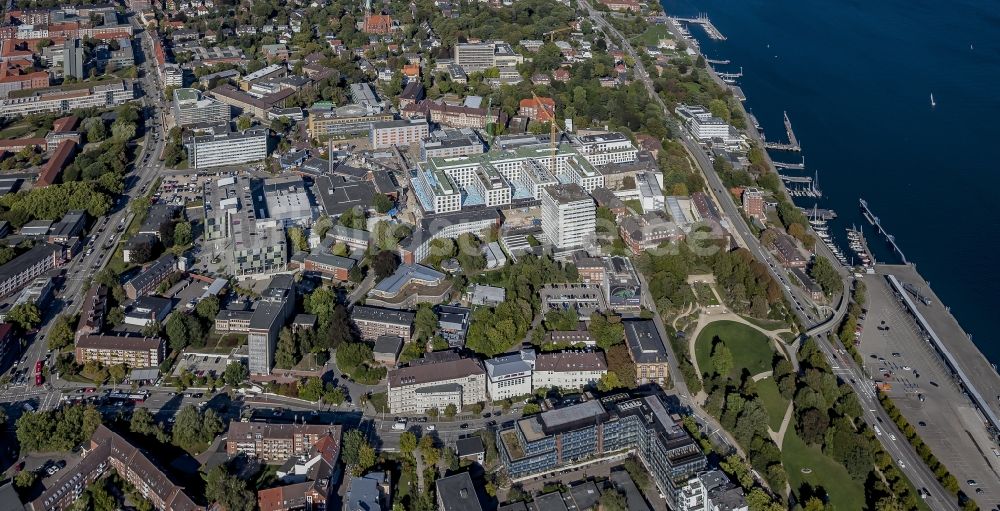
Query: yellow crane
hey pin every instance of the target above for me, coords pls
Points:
(553, 140)
(552, 33)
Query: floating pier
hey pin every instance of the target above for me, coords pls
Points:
(702, 19)
(808, 186)
(730, 78)
(867, 212)
(717, 61)
(791, 166)
(820, 214)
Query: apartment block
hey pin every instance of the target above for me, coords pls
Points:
(569, 370)
(374, 322)
(63, 101)
(449, 143)
(149, 278)
(509, 376)
(23, 269)
(276, 443)
(111, 350)
(475, 57)
(604, 148)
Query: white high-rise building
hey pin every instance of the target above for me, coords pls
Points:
(223, 147)
(568, 215)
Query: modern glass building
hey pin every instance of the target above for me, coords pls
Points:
(599, 429)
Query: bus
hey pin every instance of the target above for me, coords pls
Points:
(135, 397)
(38, 373)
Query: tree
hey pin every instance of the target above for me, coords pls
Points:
(722, 359)
(382, 204)
(243, 122)
(62, 332)
(609, 381)
(812, 426)
(384, 264)
(613, 501)
(208, 308)
(298, 239)
(117, 373)
(235, 373)
(426, 321)
(450, 411)
(182, 234)
(25, 479)
(286, 354)
(231, 492)
(26, 316)
(606, 330)
(123, 131)
(177, 332)
(96, 132)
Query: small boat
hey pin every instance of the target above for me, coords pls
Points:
(933, 103)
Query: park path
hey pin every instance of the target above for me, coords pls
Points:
(779, 436)
(685, 313)
(420, 470)
(760, 376)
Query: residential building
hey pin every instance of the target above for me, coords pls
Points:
(374, 322)
(598, 429)
(650, 193)
(251, 246)
(191, 107)
(568, 215)
(368, 493)
(107, 450)
(470, 448)
(436, 382)
(703, 125)
(401, 132)
(509, 376)
(753, 204)
(453, 323)
(23, 269)
(646, 348)
(217, 146)
(92, 310)
(448, 143)
(537, 109)
(348, 119)
(275, 307)
(150, 277)
(57, 100)
(111, 350)
(276, 443)
(711, 491)
(568, 370)
(387, 348)
(457, 493)
(148, 310)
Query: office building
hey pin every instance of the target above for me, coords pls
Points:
(509, 376)
(56, 100)
(23, 269)
(569, 370)
(416, 247)
(148, 310)
(477, 57)
(453, 323)
(650, 192)
(150, 277)
(251, 246)
(348, 119)
(111, 350)
(648, 231)
(103, 452)
(753, 204)
(275, 307)
(568, 215)
(436, 381)
(622, 288)
(276, 443)
(374, 322)
(602, 149)
(401, 132)
(457, 493)
(451, 115)
(191, 107)
(355, 239)
(287, 201)
(646, 348)
(598, 429)
(702, 124)
(218, 147)
(74, 57)
(448, 143)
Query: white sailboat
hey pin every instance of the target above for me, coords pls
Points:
(933, 103)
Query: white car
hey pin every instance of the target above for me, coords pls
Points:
(901, 464)
(430, 427)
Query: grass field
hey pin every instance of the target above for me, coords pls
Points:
(652, 35)
(750, 348)
(775, 405)
(766, 324)
(635, 204)
(844, 492)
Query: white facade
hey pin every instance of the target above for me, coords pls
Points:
(569, 369)
(510, 375)
(227, 149)
(606, 148)
(650, 193)
(100, 96)
(568, 215)
(416, 388)
(703, 125)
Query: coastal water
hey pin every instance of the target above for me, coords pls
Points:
(856, 78)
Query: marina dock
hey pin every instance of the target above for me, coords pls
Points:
(706, 24)
(819, 213)
(793, 142)
(802, 186)
(874, 220)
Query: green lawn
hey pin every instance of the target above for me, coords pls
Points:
(844, 492)
(767, 324)
(774, 403)
(635, 205)
(750, 348)
(652, 35)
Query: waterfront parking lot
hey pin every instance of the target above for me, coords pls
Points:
(945, 418)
